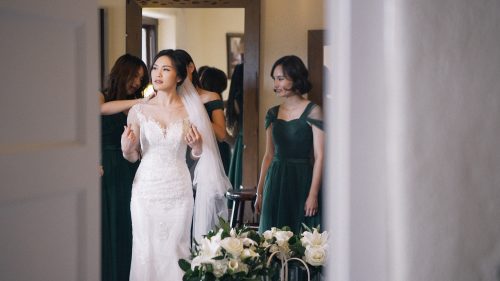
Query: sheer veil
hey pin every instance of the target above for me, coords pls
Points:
(210, 180)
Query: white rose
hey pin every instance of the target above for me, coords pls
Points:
(282, 236)
(314, 239)
(268, 234)
(232, 245)
(248, 242)
(315, 255)
(220, 268)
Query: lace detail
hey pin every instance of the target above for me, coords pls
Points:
(162, 199)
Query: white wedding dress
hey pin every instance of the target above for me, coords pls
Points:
(162, 200)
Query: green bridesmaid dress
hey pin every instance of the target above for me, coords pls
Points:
(236, 166)
(224, 149)
(116, 186)
(289, 175)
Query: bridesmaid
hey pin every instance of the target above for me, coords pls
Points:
(288, 192)
(126, 81)
(234, 121)
(215, 80)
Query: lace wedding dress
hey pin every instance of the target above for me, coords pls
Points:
(162, 199)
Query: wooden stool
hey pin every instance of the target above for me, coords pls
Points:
(239, 198)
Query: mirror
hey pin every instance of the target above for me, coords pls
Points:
(251, 69)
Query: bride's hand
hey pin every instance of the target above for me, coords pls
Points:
(128, 141)
(193, 139)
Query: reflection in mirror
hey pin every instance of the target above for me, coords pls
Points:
(251, 32)
(200, 31)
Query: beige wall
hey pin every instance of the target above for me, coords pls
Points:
(283, 31)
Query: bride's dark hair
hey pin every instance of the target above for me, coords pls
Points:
(187, 59)
(178, 62)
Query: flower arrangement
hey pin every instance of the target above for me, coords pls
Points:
(226, 254)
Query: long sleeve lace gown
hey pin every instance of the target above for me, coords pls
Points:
(162, 199)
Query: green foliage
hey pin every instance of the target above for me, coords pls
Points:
(185, 265)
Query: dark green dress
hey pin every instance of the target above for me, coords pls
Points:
(289, 175)
(116, 186)
(224, 149)
(236, 166)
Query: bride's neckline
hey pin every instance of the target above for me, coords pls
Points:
(165, 127)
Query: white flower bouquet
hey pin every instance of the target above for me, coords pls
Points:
(226, 254)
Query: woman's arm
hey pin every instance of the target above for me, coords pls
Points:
(219, 124)
(311, 205)
(113, 107)
(217, 115)
(266, 161)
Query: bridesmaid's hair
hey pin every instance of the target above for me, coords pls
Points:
(178, 63)
(213, 79)
(187, 59)
(124, 70)
(295, 70)
(201, 70)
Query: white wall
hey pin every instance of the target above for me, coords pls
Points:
(452, 159)
(415, 188)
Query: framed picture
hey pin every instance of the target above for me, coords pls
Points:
(234, 45)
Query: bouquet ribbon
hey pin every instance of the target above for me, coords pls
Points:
(284, 266)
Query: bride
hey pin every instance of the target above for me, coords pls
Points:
(158, 133)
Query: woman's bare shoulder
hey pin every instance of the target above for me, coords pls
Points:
(207, 96)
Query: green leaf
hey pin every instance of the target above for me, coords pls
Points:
(185, 265)
(286, 228)
(307, 228)
(218, 258)
(210, 268)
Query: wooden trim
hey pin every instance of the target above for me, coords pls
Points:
(251, 75)
(133, 27)
(315, 43)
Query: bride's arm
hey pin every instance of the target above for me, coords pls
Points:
(130, 138)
